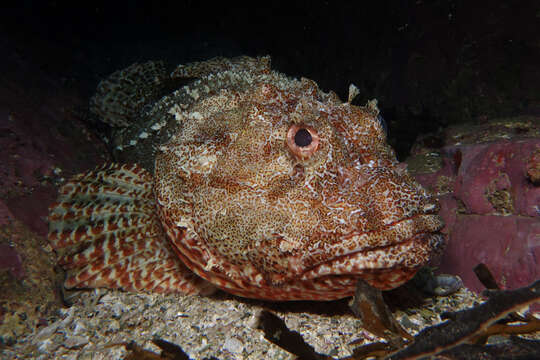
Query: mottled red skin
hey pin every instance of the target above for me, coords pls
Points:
(267, 188)
(258, 215)
(506, 235)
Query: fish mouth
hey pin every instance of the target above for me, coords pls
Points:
(415, 242)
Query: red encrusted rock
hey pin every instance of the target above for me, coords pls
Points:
(484, 176)
(492, 178)
(27, 280)
(42, 141)
(533, 168)
(10, 260)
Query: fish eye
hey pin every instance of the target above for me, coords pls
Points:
(302, 140)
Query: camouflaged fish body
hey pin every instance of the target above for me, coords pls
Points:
(263, 186)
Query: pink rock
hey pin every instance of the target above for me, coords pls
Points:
(5, 215)
(508, 245)
(533, 168)
(489, 202)
(11, 260)
(492, 178)
(42, 139)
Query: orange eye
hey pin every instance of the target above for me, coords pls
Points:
(302, 140)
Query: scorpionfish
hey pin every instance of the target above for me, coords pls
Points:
(242, 179)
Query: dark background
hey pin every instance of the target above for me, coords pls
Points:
(429, 63)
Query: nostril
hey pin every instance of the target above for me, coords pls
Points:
(298, 171)
(401, 168)
(432, 207)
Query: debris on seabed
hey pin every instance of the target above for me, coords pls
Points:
(107, 324)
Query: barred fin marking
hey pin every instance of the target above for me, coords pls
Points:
(106, 231)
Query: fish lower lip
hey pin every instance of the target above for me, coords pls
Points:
(412, 253)
(391, 235)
